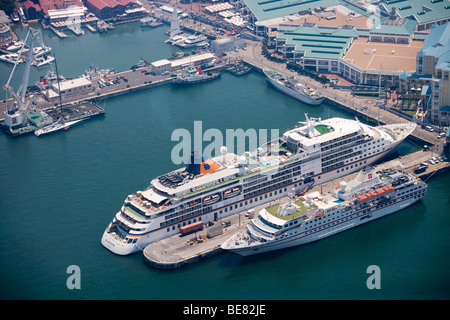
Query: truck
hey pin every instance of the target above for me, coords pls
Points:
(421, 168)
(196, 226)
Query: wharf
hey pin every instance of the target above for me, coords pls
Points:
(91, 28)
(138, 79)
(180, 251)
(59, 33)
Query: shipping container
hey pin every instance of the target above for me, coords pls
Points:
(214, 231)
(191, 227)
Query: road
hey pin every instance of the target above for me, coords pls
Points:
(253, 56)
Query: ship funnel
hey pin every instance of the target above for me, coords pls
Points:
(196, 160)
(223, 151)
(258, 153)
(247, 157)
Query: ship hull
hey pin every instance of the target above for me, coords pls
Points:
(294, 94)
(302, 237)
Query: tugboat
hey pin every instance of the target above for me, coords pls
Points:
(194, 75)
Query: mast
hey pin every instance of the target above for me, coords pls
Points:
(379, 103)
(174, 23)
(59, 88)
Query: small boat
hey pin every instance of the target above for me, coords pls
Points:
(11, 58)
(42, 61)
(211, 199)
(193, 75)
(193, 41)
(39, 51)
(57, 126)
(102, 26)
(146, 21)
(194, 202)
(231, 192)
(150, 22)
(15, 46)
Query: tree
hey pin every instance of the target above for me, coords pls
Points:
(7, 6)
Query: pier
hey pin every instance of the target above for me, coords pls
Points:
(136, 80)
(180, 251)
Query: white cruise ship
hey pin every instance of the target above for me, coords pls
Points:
(212, 189)
(293, 88)
(371, 195)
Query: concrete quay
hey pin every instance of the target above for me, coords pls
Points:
(138, 79)
(180, 251)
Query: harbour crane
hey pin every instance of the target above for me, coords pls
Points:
(16, 109)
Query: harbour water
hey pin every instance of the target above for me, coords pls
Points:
(58, 193)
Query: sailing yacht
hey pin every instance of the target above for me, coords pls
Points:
(175, 31)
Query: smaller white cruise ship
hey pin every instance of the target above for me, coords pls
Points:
(293, 88)
(314, 216)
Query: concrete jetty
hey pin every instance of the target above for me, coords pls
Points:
(182, 250)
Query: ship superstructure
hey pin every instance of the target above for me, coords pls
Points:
(210, 189)
(314, 216)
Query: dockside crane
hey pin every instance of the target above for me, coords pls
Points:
(16, 109)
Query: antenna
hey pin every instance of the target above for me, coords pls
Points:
(379, 95)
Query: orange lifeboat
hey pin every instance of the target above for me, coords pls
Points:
(362, 198)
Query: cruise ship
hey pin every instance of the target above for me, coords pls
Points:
(292, 87)
(213, 188)
(371, 195)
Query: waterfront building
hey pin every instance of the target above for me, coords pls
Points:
(227, 44)
(109, 9)
(393, 29)
(33, 11)
(345, 51)
(164, 65)
(425, 13)
(68, 88)
(314, 47)
(433, 64)
(58, 10)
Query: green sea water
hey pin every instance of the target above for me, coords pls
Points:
(58, 193)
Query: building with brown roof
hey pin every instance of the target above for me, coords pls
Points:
(108, 9)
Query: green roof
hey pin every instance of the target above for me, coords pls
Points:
(269, 9)
(397, 27)
(423, 11)
(315, 43)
